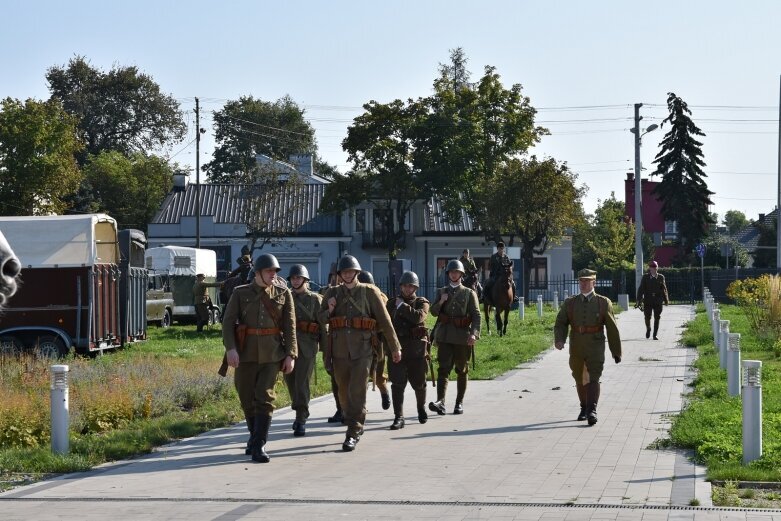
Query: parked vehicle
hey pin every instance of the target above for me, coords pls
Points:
(159, 300)
(132, 286)
(69, 295)
(181, 264)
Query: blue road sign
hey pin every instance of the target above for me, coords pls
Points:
(700, 249)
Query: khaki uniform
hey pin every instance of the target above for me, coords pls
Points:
(469, 264)
(653, 294)
(202, 302)
(266, 344)
(457, 318)
(409, 322)
(311, 334)
(352, 337)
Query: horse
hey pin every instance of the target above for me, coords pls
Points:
(500, 299)
(10, 267)
(471, 281)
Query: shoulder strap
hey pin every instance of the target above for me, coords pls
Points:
(272, 311)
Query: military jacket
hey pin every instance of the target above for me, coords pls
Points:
(409, 322)
(498, 262)
(461, 305)
(469, 264)
(307, 305)
(363, 301)
(245, 307)
(587, 315)
(201, 291)
(653, 290)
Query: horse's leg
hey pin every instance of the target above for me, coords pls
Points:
(506, 315)
(498, 318)
(487, 308)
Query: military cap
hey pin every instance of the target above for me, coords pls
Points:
(653, 264)
(586, 273)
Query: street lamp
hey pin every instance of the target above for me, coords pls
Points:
(639, 194)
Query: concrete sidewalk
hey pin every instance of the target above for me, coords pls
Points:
(516, 453)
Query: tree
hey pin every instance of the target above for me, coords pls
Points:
(534, 201)
(248, 126)
(735, 221)
(121, 110)
(713, 257)
(612, 237)
(765, 257)
(382, 143)
(38, 141)
(131, 189)
(684, 194)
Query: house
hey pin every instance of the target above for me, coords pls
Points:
(664, 233)
(748, 237)
(319, 240)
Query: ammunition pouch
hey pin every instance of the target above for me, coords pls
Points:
(308, 327)
(366, 323)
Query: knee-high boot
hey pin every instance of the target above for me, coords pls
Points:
(582, 397)
(656, 328)
(397, 393)
(592, 397)
(647, 326)
(420, 399)
(262, 424)
(251, 429)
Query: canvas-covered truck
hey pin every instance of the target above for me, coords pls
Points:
(181, 264)
(69, 294)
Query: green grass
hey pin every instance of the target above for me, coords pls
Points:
(711, 423)
(128, 402)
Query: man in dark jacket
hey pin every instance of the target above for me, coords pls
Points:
(653, 294)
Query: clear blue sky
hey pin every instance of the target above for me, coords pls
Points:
(333, 56)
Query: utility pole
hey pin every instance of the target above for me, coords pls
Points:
(778, 201)
(638, 201)
(197, 175)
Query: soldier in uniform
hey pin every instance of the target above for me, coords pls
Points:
(586, 317)
(269, 344)
(653, 294)
(338, 417)
(456, 331)
(408, 312)
(468, 262)
(497, 262)
(311, 334)
(377, 374)
(202, 300)
(355, 314)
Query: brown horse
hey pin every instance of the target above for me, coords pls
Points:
(10, 267)
(500, 299)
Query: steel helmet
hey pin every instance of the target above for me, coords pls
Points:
(366, 277)
(409, 277)
(455, 265)
(298, 270)
(266, 261)
(348, 262)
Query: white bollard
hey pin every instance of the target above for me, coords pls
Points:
(521, 308)
(715, 328)
(733, 365)
(539, 306)
(566, 294)
(723, 341)
(752, 410)
(556, 300)
(59, 409)
(623, 301)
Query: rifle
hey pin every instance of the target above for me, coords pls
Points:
(239, 334)
(473, 357)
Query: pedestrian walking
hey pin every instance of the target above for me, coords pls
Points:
(652, 293)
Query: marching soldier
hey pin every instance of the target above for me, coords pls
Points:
(378, 375)
(355, 314)
(409, 312)
(653, 294)
(311, 334)
(202, 300)
(456, 331)
(259, 333)
(333, 281)
(586, 317)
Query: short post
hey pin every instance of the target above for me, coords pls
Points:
(715, 328)
(733, 365)
(722, 343)
(566, 294)
(521, 308)
(752, 410)
(539, 306)
(59, 409)
(623, 301)
(556, 300)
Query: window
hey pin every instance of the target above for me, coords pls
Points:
(538, 278)
(671, 227)
(360, 220)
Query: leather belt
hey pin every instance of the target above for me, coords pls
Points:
(308, 327)
(354, 323)
(464, 321)
(263, 332)
(587, 329)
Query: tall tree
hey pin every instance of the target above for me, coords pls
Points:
(123, 109)
(735, 220)
(248, 126)
(684, 194)
(38, 142)
(129, 188)
(612, 237)
(535, 201)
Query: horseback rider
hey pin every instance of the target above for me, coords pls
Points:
(471, 280)
(499, 261)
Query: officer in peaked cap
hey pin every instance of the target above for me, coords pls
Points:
(652, 292)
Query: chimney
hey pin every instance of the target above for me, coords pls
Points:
(761, 217)
(180, 182)
(304, 163)
(630, 176)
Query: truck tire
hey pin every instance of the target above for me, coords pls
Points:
(214, 316)
(10, 346)
(165, 322)
(51, 347)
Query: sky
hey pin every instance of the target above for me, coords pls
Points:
(582, 64)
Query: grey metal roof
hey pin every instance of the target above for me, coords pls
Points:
(748, 237)
(229, 203)
(434, 221)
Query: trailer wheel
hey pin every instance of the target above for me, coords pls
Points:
(166, 320)
(51, 347)
(10, 346)
(214, 316)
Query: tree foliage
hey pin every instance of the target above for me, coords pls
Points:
(131, 189)
(123, 109)
(248, 126)
(765, 257)
(611, 237)
(713, 257)
(735, 220)
(684, 194)
(38, 141)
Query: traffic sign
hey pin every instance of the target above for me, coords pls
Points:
(700, 249)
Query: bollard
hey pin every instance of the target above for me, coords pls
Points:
(752, 410)
(722, 342)
(556, 300)
(59, 408)
(539, 306)
(623, 301)
(733, 364)
(521, 310)
(714, 328)
(566, 294)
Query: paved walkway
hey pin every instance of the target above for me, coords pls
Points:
(516, 453)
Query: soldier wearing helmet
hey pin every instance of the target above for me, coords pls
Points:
(259, 333)
(408, 312)
(377, 373)
(355, 313)
(456, 331)
(311, 335)
(652, 292)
